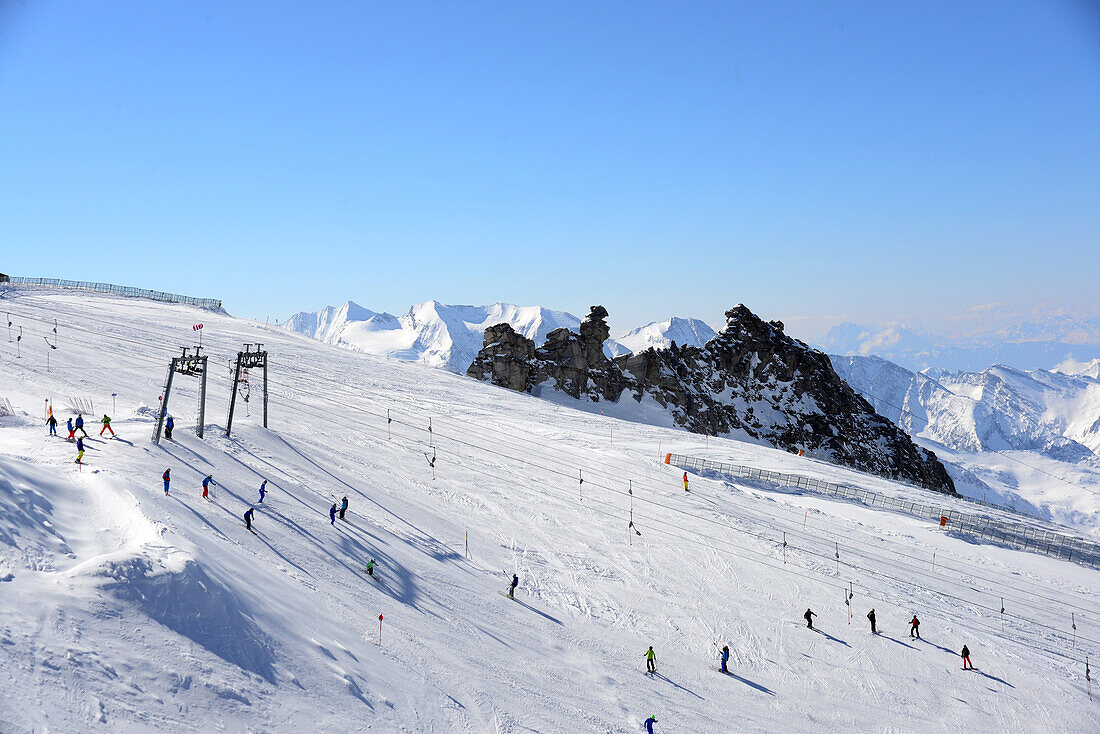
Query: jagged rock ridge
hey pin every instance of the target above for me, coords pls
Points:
(751, 379)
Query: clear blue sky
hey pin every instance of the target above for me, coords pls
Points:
(817, 161)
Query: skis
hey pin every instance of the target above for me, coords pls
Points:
(719, 670)
(506, 596)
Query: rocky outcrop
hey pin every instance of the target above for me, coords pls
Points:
(750, 380)
(570, 362)
(505, 359)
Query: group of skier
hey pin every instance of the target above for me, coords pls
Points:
(78, 425)
(914, 631)
(336, 511)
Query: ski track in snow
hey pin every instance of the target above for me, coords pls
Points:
(125, 610)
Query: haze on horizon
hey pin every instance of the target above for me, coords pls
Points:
(934, 166)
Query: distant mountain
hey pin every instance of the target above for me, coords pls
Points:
(661, 335)
(1085, 369)
(1029, 345)
(433, 333)
(1050, 413)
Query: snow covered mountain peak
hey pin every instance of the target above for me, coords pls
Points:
(434, 333)
(661, 334)
(999, 408)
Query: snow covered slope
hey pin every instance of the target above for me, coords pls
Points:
(661, 335)
(433, 333)
(1039, 417)
(122, 609)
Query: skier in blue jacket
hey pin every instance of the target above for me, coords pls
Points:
(649, 724)
(263, 491)
(332, 514)
(80, 424)
(725, 657)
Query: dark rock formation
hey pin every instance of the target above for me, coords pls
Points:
(750, 380)
(505, 359)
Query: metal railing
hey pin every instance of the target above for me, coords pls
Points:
(1008, 532)
(121, 290)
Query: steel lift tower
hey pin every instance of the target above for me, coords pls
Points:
(188, 364)
(248, 359)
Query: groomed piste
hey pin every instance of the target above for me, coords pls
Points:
(123, 608)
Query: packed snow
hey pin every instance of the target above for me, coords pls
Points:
(127, 610)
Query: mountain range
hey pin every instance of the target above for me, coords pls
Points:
(1000, 408)
(1028, 345)
(447, 336)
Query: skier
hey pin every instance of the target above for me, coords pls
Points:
(263, 491)
(72, 431)
(80, 424)
(168, 426)
(512, 586)
(248, 518)
(650, 661)
(343, 507)
(52, 423)
(686, 482)
(649, 724)
(809, 617)
(871, 616)
(370, 567)
(966, 658)
(332, 514)
(914, 628)
(79, 450)
(725, 658)
(167, 477)
(106, 421)
(206, 485)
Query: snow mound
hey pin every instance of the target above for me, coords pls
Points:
(191, 603)
(28, 538)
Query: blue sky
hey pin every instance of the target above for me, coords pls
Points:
(817, 161)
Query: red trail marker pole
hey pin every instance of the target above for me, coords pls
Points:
(380, 630)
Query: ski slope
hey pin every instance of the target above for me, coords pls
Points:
(125, 610)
